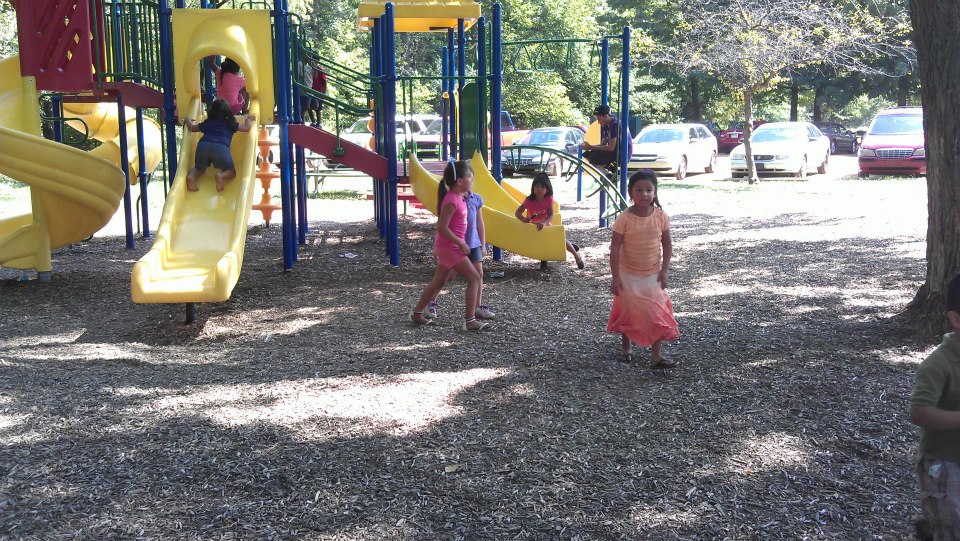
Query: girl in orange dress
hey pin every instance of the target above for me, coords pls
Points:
(640, 254)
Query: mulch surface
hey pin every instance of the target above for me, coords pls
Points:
(308, 407)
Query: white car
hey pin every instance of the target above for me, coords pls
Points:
(674, 149)
(407, 129)
(785, 148)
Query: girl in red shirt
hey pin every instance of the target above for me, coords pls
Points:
(537, 208)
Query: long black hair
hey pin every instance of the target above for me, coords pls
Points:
(454, 171)
(228, 66)
(649, 175)
(219, 108)
(542, 179)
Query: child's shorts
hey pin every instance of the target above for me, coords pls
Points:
(213, 153)
(308, 102)
(476, 255)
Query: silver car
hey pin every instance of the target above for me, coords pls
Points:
(783, 148)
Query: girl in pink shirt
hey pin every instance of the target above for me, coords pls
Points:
(537, 208)
(640, 254)
(231, 86)
(450, 248)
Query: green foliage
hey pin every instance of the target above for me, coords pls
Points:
(540, 99)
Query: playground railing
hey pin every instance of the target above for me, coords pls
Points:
(129, 38)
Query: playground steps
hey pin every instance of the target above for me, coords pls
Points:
(325, 143)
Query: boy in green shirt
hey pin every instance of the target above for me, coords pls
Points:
(935, 408)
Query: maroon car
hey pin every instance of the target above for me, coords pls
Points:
(733, 136)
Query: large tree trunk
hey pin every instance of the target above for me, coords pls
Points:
(936, 26)
(794, 102)
(817, 104)
(747, 132)
(696, 111)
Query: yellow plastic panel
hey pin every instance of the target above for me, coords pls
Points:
(243, 35)
(421, 15)
(503, 229)
(103, 124)
(73, 193)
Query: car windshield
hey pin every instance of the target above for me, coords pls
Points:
(360, 126)
(660, 135)
(544, 138)
(770, 135)
(897, 125)
(434, 127)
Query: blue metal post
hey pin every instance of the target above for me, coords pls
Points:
(445, 113)
(125, 167)
(56, 103)
(482, 86)
(283, 113)
(604, 71)
(496, 102)
(461, 81)
(390, 107)
(142, 175)
(452, 129)
(375, 57)
(166, 73)
(622, 137)
(579, 174)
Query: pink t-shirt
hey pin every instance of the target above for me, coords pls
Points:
(447, 252)
(538, 211)
(642, 237)
(229, 89)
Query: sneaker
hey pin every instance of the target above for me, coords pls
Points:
(474, 325)
(483, 312)
(431, 310)
(419, 318)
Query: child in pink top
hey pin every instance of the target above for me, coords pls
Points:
(537, 208)
(231, 86)
(640, 254)
(450, 247)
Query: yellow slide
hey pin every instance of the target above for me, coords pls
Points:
(198, 251)
(73, 193)
(100, 122)
(500, 203)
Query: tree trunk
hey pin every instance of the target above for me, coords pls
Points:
(747, 132)
(817, 106)
(696, 111)
(903, 90)
(936, 26)
(794, 102)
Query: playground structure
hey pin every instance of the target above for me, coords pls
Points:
(114, 59)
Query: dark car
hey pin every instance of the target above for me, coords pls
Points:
(733, 135)
(841, 138)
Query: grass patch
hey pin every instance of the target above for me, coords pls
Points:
(349, 195)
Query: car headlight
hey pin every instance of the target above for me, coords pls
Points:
(781, 157)
(920, 153)
(867, 152)
(737, 156)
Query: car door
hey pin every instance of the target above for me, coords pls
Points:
(818, 147)
(705, 147)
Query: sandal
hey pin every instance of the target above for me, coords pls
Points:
(663, 363)
(625, 357)
(419, 318)
(475, 325)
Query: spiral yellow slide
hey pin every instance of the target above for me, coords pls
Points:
(100, 122)
(500, 203)
(73, 193)
(198, 251)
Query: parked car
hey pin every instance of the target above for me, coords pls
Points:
(894, 144)
(412, 125)
(528, 161)
(784, 148)
(733, 135)
(841, 138)
(674, 149)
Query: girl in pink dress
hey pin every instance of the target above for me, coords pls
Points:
(640, 254)
(231, 86)
(537, 208)
(450, 248)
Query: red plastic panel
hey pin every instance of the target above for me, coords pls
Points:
(323, 142)
(55, 44)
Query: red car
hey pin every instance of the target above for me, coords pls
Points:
(733, 136)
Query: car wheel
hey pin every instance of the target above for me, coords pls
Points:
(853, 146)
(802, 172)
(861, 174)
(682, 168)
(833, 146)
(712, 164)
(822, 168)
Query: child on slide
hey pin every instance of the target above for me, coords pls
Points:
(214, 145)
(537, 208)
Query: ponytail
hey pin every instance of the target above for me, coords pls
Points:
(454, 171)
